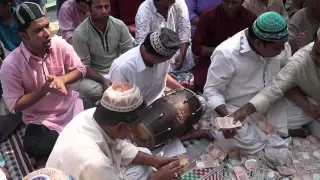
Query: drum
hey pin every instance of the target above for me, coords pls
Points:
(167, 118)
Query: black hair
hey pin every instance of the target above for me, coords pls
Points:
(253, 36)
(23, 28)
(147, 45)
(104, 116)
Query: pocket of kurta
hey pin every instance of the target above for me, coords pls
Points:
(56, 70)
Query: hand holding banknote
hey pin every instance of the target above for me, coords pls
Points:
(227, 126)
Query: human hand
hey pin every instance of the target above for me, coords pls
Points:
(239, 115)
(106, 83)
(312, 111)
(179, 61)
(171, 171)
(162, 161)
(299, 38)
(56, 85)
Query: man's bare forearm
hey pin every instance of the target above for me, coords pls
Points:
(297, 96)
(71, 77)
(172, 83)
(29, 99)
(222, 110)
(249, 109)
(145, 159)
(91, 74)
(183, 49)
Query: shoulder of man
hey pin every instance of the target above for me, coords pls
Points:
(117, 23)
(82, 29)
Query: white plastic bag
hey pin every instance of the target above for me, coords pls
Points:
(277, 150)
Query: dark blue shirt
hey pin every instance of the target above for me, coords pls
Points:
(9, 35)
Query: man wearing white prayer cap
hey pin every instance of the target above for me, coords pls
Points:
(302, 73)
(147, 66)
(92, 146)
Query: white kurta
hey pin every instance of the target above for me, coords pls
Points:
(131, 68)
(149, 20)
(237, 74)
(300, 71)
(87, 153)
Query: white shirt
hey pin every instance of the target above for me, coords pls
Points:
(149, 20)
(131, 68)
(300, 71)
(87, 153)
(237, 73)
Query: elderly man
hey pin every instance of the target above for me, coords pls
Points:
(304, 25)
(36, 80)
(147, 65)
(219, 23)
(240, 67)
(173, 14)
(301, 71)
(8, 29)
(71, 14)
(92, 146)
(98, 41)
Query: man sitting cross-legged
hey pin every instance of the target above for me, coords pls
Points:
(36, 80)
(92, 146)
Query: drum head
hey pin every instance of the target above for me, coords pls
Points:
(142, 136)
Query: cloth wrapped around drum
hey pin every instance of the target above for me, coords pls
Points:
(167, 118)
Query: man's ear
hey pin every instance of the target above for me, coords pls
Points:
(257, 43)
(120, 127)
(23, 36)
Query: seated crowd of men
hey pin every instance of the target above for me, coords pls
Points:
(242, 53)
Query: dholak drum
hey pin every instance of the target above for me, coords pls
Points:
(167, 118)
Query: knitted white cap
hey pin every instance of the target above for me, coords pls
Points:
(48, 174)
(122, 97)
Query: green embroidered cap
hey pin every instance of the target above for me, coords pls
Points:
(271, 26)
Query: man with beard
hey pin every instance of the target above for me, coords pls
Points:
(98, 40)
(36, 80)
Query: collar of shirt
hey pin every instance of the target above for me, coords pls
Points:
(155, 10)
(244, 44)
(95, 27)
(141, 66)
(28, 55)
